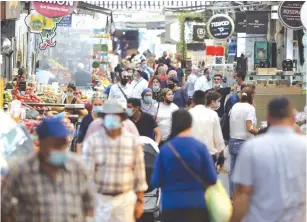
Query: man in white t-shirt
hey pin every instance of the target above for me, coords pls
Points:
(138, 84)
(202, 82)
(122, 90)
(191, 81)
(44, 75)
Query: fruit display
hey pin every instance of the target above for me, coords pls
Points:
(31, 124)
(7, 97)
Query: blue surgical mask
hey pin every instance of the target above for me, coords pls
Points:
(112, 122)
(97, 109)
(234, 81)
(58, 158)
(148, 99)
(69, 94)
(135, 78)
(129, 112)
(143, 66)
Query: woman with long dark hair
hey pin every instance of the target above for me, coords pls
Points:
(182, 195)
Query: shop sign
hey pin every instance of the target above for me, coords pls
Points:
(54, 9)
(65, 22)
(12, 10)
(257, 22)
(289, 14)
(220, 27)
(304, 15)
(45, 27)
(199, 33)
(240, 24)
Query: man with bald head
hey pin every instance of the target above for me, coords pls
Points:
(270, 171)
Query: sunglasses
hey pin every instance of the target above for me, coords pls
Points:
(126, 77)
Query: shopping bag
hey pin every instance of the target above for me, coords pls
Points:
(218, 203)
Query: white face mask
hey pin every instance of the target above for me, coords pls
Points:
(217, 105)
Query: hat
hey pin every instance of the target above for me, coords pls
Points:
(112, 107)
(174, 79)
(145, 91)
(52, 127)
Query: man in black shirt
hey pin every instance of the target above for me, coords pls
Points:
(81, 77)
(144, 122)
(217, 86)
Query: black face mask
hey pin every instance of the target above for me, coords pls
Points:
(124, 81)
(171, 86)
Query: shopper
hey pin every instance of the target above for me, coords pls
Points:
(81, 77)
(161, 74)
(180, 95)
(224, 91)
(121, 91)
(239, 79)
(97, 103)
(242, 127)
(144, 122)
(146, 69)
(182, 195)
(70, 98)
(107, 90)
(163, 116)
(156, 89)
(147, 102)
(51, 185)
(115, 161)
(206, 125)
(191, 81)
(203, 81)
(138, 84)
(272, 186)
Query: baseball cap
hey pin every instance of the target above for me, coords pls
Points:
(52, 127)
(174, 79)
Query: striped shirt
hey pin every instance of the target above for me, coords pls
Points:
(69, 198)
(117, 165)
(97, 124)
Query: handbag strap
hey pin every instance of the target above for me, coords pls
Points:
(120, 88)
(185, 165)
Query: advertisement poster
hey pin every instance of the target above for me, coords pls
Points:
(199, 33)
(55, 9)
(257, 22)
(220, 27)
(289, 14)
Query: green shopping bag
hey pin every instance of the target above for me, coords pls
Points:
(217, 200)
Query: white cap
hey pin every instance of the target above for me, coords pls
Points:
(80, 65)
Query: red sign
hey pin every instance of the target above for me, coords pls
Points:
(54, 9)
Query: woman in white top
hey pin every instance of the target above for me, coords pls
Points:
(148, 103)
(164, 112)
(242, 123)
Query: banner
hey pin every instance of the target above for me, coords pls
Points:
(55, 9)
(199, 33)
(240, 24)
(289, 14)
(257, 22)
(220, 27)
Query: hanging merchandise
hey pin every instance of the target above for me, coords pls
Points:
(257, 22)
(289, 14)
(240, 24)
(220, 27)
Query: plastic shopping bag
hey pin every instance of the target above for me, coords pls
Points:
(218, 203)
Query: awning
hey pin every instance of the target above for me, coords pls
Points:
(86, 5)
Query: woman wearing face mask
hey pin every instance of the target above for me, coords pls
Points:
(164, 112)
(180, 95)
(156, 89)
(147, 102)
(213, 99)
(97, 103)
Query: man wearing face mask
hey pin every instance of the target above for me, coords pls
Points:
(138, 84)
(224, 92)
(143, 121)
(122, 90)
(146, 69)
(203, 81)
(51, 185)
(97, 103)
(180, 95)
(115, 159)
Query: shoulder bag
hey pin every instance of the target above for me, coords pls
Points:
(120, 88)
(217, 200)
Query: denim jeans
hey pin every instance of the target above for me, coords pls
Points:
(234, 149)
